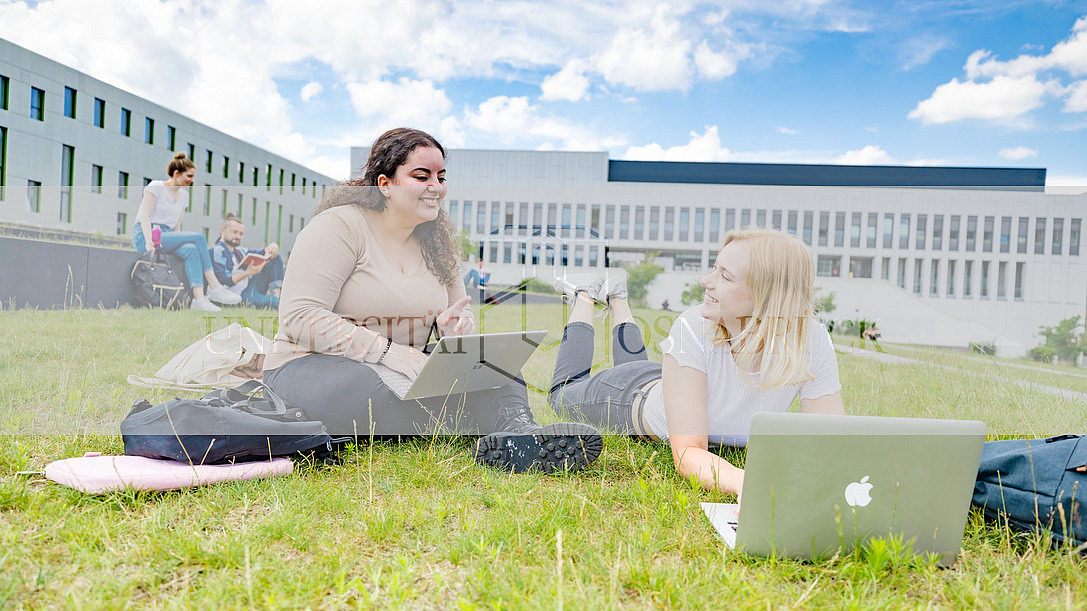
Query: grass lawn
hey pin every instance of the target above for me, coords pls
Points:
(419, 525)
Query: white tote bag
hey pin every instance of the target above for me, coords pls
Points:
(223, 359)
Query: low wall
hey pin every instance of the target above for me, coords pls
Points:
(48, 275)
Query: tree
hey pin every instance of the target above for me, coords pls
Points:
(693, 292)
(639, 276)
(1065, 339)
(823, 304)
(467, 246)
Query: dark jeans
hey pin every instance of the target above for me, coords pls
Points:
(351, 400)
(260, 285)
(604, 399)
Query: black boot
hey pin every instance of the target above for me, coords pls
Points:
(522, 445)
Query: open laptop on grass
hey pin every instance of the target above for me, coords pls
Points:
(466, 363)
(815, 485)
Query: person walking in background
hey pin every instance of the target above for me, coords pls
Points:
(162, 207)
(257, 283)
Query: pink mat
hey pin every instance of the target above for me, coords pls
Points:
(96, 474)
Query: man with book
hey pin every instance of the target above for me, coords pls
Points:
(255, 275)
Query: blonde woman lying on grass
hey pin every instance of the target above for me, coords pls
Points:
(751, 346)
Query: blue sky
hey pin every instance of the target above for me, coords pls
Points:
(958, 82)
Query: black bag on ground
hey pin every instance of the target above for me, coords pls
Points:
(155, 284)
(1037, 485)
(223, 426)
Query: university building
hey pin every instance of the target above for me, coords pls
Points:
(978, 244)
(75, 154)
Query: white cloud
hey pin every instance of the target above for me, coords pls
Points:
(1077, 97)
(787, 131)
(513, 120)
(311, 90)
(405, 102)
(869, 155)
(701, 147)
(1017, 153)
(1001, 98)
(714, 65)
(568, 84)
(653, 60)
(921, 50)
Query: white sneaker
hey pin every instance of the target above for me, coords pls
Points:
(616, 285)
(590, 284)
(204, 305)
(221, 294)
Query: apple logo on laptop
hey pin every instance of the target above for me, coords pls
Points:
(856, 494)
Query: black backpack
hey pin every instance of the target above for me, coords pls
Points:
(155, 284)
(1036, 485)
(224, 426)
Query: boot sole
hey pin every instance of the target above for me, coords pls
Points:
(561, 447)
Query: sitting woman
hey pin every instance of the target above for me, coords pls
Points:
(162, 207)
(751, 346)
(371, 274)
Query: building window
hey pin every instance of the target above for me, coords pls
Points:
(122, 185)
(99, 112)
(481, 216)
(207, 200)
(855, 230)
(1058, 237)
(888, 230)
(684, 224)
(937, 232)
(69, 102)
(967, 278)
(122, 223)
(241, 171)
(34, 195)
(745, 217)
(256, 172)
(902, 273)
(669, 223)
(226, 166)
(828, 266)
(873, 222)
(149, 130)
(1005, 233)
(96, 178)
(700, 224)
(918, 267)
(3, 161)
(1001, 274)
(860, 267)
(951, 278)
(37, 103)
(793, 217)
(809, 222)
(655, 223)
(839, 229)
(292, 181)
(919, 236)
(5, 85)
(281, 172)
(268, 176)
(715, 225)
(934, 278)
(1021, 235)
(987, 234)
(126, 122)
(885, 271)
(222, 215)
(241, 204)
(171, 139)
(953, 234)
(760, 218)
(567, 216)
(67, 176)
(984, 293)
(1073, 228)
(208, 162)
(903, 232)
(971, 233)
(824, 228)
(1039, 236)
(776, 222)
(454, 208)
(254, 221)
(1019, 280)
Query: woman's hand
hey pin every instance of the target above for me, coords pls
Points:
(405, 359)
(457, 319)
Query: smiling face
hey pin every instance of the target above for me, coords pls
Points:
(728, 298)
(232, 233)
(415, 192)
(184, 179)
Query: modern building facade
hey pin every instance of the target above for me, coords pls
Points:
(75, 153)
(984, 244)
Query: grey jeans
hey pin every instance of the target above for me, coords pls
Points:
(605, 399)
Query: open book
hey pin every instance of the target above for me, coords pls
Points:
(254, 259)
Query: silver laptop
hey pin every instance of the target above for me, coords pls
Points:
(816, 485)
(466, 363)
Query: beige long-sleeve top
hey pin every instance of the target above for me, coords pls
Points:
(341, 295)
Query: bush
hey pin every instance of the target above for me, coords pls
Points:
(1064, 340)
(639, 276)
(534, 285)
(1042, 353)
(986, 348)
(693, 293)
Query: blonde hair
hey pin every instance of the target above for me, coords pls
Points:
(771, 347)
(180, 163)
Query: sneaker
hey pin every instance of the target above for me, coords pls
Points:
(204, 305)
(221, 294)
(554, 448)
(590, 284)
(617, 285)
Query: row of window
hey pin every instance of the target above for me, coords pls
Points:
(37, 111)
(977, 278)
(956, 232)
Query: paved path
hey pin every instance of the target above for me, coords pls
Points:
(1063, 372)
(902, 360)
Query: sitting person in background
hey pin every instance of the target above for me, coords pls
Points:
(257, 284)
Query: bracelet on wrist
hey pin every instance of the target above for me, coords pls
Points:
(385, 351)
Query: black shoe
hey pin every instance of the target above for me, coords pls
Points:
(560, 447)
(515, 418)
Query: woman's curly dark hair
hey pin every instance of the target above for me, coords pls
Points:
(440, 249)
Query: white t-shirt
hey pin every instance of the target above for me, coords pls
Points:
(731, 402)
(167, 211)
